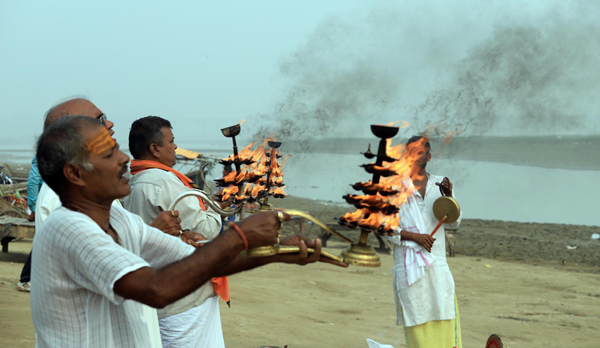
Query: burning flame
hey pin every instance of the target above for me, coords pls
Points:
(403, 124)
(262, 177)
(408, 158)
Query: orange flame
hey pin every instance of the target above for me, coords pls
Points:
(407, 158)
(261, 167)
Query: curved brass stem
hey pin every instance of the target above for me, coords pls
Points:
(199, 193)
(287, 249)
(210, 191)
(294, 212)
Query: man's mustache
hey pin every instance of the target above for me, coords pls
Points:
(123, 170)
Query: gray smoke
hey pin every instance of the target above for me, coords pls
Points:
(331, 80)
(534, 75)
(527, 77)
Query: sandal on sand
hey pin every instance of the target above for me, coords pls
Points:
(26, 287)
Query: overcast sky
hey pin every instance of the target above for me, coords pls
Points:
(205, 65)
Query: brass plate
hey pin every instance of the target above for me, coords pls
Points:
(446, 206)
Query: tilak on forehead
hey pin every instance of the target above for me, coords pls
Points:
(101, 142)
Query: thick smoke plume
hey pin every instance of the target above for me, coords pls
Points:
(535, 75)
(523, 77)
(331, 81)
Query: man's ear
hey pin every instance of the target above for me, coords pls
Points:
(73, 173)
(154, 150)
(428, 156)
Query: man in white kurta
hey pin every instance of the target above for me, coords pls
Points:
(422, 282)
(48, 201)
(197, 315)
(154, 185)
(431, 297)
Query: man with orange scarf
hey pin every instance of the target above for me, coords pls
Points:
(154, 185)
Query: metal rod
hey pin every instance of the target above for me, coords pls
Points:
(199, 193)
(210, 191)
(381, 151)
(307, 216)
(364, 236)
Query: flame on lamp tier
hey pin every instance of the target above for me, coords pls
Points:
(253, 176)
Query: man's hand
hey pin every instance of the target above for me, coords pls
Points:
(192, 238)
(425, 240)
(261, 229)
(304, 257)
(31, 217)
(169, 222)
(445, 187)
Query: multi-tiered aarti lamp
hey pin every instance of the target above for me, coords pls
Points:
(273, 180)
(375, 207)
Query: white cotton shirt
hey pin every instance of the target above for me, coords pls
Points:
(75, 266)
(152, 191)
(432, 296)
(48, 201)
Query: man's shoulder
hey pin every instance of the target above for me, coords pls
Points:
(153, 176)
(122, 214)
(47, 194)
(63, 221)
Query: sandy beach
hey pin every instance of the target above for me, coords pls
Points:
(513, 279)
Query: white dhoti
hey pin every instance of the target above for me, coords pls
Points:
(151, 319)
(197, 327)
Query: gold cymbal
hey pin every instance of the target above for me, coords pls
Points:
(446, 206)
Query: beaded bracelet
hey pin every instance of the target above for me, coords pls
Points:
(241, 233)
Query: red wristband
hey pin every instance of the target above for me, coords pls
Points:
(241, 233)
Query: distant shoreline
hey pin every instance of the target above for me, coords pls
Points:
(554, 152)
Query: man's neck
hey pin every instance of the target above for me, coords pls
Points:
(418, 174)
(153, 159)
(99, 212)
(419, 179)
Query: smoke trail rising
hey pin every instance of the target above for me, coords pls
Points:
(533, 75)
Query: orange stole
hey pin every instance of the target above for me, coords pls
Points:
(220, 284)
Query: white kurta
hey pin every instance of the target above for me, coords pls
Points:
(431, 297)
(75, 266)
(152, 191)
(48, 201)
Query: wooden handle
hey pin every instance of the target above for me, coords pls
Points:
(439, 224)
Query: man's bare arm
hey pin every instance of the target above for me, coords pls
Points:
(161, 287)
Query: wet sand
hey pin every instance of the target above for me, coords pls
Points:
(517, 280)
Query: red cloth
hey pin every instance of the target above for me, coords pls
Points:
(220, 284)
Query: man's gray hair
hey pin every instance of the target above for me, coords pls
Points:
(57, 111)
(60, 144)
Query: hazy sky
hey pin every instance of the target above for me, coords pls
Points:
(206, 65)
